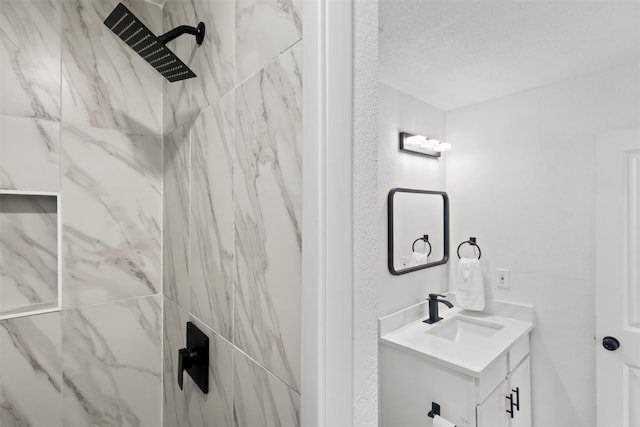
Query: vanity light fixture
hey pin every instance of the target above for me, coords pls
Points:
(419, 144)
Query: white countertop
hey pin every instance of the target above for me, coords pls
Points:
(470, 358)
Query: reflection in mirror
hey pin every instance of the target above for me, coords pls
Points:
(418, 229)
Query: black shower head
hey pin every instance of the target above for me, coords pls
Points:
(151, 47)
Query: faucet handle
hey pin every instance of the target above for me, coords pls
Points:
(435, 296)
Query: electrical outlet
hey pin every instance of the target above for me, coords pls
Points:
(502, 278)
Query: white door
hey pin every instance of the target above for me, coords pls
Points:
(617, 285)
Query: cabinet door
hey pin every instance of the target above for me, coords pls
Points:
(493, 411)
(520, 380)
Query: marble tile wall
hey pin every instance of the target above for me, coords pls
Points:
(104, 83)
(29, 154)
(211, 249)
(111, 198)
(176, 205)
(260, 398)
(89, 115)
(265, 28)
(267, 214)
(31, 371)
(30, 60)
(232, 249)
(81, 114)
(112, 364)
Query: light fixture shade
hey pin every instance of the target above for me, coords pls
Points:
(442, 146)
(421, 145)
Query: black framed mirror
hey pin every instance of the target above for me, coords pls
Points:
(418, 229)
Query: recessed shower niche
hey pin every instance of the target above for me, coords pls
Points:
(30, 241)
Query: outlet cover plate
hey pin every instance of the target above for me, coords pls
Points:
(503, 280)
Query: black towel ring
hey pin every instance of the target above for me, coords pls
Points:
(424, 238)
(472, 242)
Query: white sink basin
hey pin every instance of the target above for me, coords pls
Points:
(463, 341)
(460, 329)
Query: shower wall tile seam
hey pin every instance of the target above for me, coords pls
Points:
(280, 380)
(162, 361)
(267, 65)
(234, 274)
(174, 300)
(211, 105)
(116, 301)
(42, 119)
(162, 294)
(189, 209)
(235, 347)
(154, 135)
(230, 91)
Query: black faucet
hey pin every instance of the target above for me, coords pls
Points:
(433, 308)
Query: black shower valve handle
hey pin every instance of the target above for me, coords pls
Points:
(194, 358)
(186, 359)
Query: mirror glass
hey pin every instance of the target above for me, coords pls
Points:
(418, 227)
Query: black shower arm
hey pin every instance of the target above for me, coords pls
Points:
(183, 29)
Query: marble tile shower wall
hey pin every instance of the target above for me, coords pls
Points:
(81, 115)
(232, 212)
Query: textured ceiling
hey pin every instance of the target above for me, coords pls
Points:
(456, 53)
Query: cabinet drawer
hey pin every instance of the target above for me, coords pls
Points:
(518, 352)
(491, 378)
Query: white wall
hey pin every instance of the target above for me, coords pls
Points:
(521, 178)
(401, 112)
(365, 268)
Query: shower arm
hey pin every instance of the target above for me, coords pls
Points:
(184, 29)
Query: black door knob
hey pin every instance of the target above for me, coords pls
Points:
(610, 343)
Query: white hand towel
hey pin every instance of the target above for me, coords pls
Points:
(469, 286)
(418, 259)
(438, 421)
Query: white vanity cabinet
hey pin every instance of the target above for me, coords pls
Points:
(509, 405)
(409, 384)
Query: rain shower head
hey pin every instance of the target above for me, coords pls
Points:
(151, 47)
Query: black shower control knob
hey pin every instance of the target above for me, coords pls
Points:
(610, 343)
(194, 359)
